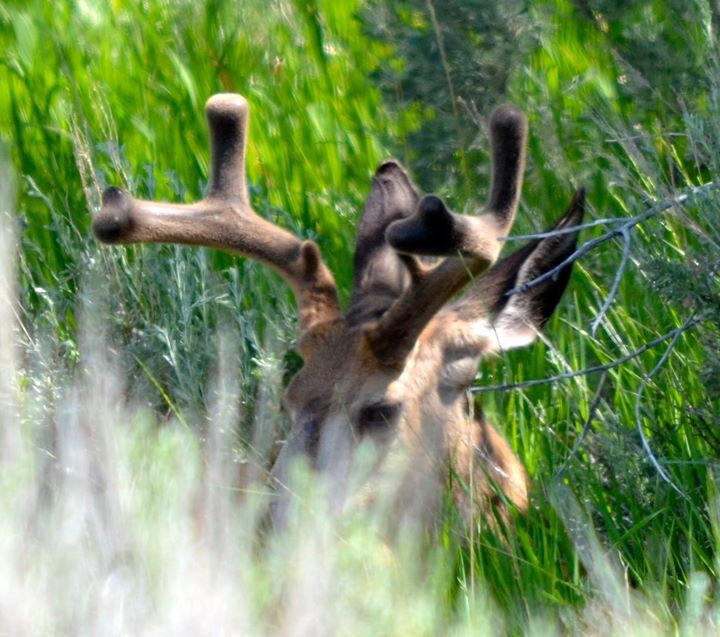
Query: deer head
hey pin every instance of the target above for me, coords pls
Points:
(390, 374)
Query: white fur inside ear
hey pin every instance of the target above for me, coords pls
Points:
(510, 331)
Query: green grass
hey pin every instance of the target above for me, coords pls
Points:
(125, 372)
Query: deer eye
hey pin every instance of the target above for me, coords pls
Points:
(376, 418)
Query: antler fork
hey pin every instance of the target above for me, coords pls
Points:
(470, 243)
(225, 219)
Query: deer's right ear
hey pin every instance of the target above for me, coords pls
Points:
(379, 274)
(510, 320)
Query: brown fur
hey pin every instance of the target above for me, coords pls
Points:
(380, 407)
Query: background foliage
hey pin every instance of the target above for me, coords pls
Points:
(623, 98)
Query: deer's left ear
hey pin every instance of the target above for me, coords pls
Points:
(506, 321)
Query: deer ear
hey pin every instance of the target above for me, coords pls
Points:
(379, 274)
(513, 320)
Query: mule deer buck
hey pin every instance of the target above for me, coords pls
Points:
(391, 373)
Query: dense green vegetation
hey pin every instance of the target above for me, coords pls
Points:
(126, 360)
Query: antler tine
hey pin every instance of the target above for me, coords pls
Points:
(470, 243)
(227, 115)
(508, 137)
(224, 219)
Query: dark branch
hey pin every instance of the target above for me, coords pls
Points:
(592, 370)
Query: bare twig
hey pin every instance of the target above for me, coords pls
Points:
(615, 284)
(586, 426)
(611, 234)
(591, 370)
(561, 231)
(638, 414)
(443, 57)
